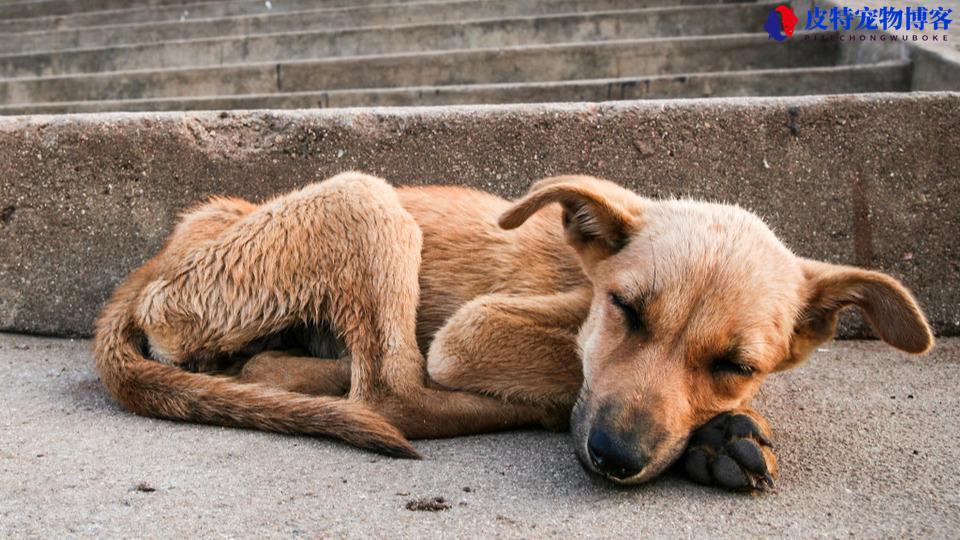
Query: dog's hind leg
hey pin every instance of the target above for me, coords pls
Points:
(364, 262)
(301, 374)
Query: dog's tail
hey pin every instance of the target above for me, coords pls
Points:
(153, 389)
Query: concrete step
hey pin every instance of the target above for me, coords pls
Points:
(41, 8)
(884, 77)
(312, 20)
(868, 180)
(611, 59)
(234, 8)
(487, 33)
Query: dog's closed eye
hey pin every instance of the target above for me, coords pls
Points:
(632, 314)
(729, 364)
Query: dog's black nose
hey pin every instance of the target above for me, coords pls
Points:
(613, 458)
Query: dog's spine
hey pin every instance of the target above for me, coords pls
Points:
(153, 389)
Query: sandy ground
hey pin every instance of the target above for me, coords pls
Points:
(866, 436)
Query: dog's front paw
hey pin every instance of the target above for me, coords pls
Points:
(732, 451)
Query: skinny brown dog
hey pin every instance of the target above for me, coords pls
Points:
(439, 311)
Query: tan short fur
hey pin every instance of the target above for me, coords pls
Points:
(459, 312)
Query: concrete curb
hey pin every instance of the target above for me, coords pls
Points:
(868, 179)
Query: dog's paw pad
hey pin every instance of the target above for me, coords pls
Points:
(732, 452)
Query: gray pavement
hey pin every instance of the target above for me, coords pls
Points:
(866, 438)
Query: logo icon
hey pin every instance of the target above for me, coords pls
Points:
(780, 23)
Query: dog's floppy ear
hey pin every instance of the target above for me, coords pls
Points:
(886, 305)
(598, 216)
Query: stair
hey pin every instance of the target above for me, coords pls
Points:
(167, 55)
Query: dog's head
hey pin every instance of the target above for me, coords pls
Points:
(694, 304)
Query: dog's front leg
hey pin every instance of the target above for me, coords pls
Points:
(734, 451)
(519, 348)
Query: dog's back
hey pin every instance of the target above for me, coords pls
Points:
(466, 253)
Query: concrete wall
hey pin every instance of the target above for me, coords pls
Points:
(869, 180)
